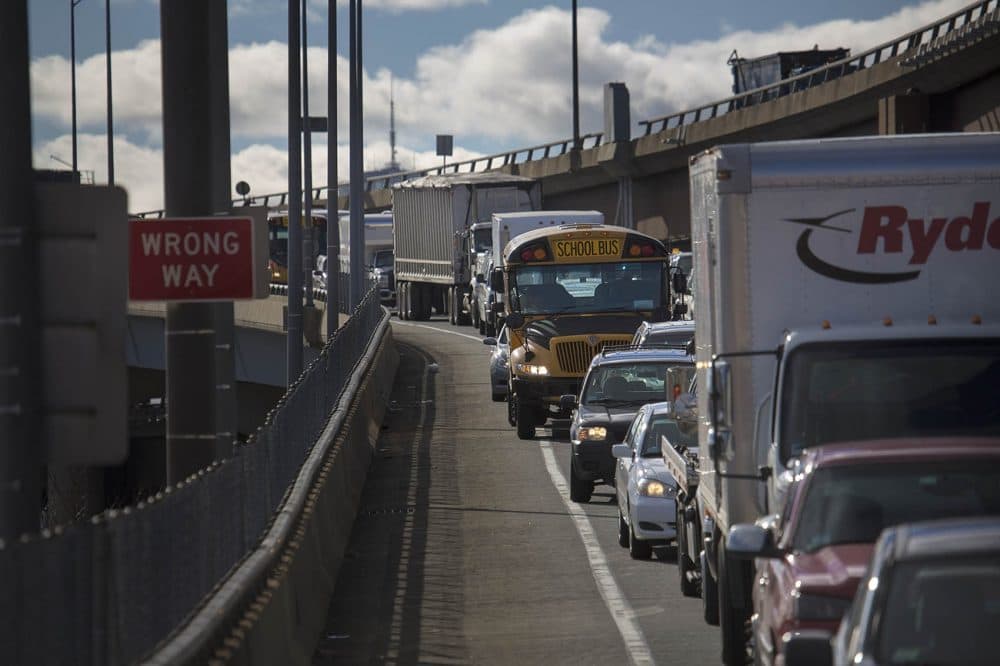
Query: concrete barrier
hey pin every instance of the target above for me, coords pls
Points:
(272, 608)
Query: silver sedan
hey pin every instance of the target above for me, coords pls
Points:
(644, 488)
(499, 373)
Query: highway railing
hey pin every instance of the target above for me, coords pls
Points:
(111, 590)
(956, 29)
(385, 181)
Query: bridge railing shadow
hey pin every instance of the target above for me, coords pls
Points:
(108, 591)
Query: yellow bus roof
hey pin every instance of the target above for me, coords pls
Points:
(574, 230)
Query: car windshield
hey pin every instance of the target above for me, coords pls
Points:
(383, 259)
(854, 503)
(838, 393)
(944, 611)
(610, 287)
(483, 239)
(660, 426)
(628, 383)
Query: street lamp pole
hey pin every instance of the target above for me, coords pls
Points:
(72, 70)
(576, 88)
(111, 133)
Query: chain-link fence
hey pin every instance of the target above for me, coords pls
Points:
(107, 591)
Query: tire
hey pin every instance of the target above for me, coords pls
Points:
(525, 421)
(497, 397)
(689, 588)
(403, 296)
(709, 594)
(732, 621)
(623, 530)
(511, 409)
(580, 490)
(637, 548)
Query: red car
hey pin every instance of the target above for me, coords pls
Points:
(811, 557)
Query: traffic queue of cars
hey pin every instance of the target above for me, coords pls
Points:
(829, 446)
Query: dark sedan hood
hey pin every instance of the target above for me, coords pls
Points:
(541, 331)
(616, 419)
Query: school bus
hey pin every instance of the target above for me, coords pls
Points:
(277, 236)
(571, 291)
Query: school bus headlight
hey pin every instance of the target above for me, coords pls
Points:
(594, 433)
(532, 369)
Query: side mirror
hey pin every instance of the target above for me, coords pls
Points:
(747, 541)
(492, 342)
(720, 393)
(807, 647)
(515, 320)
(567, 402)
(680, 283)
(496, 279)
(480, 278)
(622, 450)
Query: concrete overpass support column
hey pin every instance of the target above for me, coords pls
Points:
(904, 114)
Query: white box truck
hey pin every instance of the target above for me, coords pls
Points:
(844, 291)
(378, 252)
(432, 216)
(487, 304)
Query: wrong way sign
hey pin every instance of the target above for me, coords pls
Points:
(194, 259)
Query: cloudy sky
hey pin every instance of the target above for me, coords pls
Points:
(494, 73)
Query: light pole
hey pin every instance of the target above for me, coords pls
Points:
(111, 133)
(72, 70)
(576, 89)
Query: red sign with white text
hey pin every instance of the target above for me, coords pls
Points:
(191, 259)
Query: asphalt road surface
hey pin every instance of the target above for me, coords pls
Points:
(467, 549)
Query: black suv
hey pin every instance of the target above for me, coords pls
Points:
(618, 382)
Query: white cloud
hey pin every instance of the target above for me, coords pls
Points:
(497, 89)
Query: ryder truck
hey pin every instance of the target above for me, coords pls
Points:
(843, 291)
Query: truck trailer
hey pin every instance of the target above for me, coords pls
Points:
(432, 217)
(843, 292)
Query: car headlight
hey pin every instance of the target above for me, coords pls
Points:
(593, 433)
(531, 369)
(655, 488)
(816, 607)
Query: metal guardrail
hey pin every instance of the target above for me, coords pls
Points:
(385, 181)
(969, 22)
(110, 590)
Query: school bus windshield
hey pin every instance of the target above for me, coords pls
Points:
(277, 231)
(604, 287)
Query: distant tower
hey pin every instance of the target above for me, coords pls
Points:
(393, 164)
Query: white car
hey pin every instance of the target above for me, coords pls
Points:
(644, 488)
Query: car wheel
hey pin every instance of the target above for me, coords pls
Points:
(732, 621)
(638, 549)
(511, 408)
(580, 490)
(685, 568)
(623, 530)
(498, 396)
(709, 594)
(525, 421)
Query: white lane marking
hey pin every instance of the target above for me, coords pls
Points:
(618, 606)
(437, 330)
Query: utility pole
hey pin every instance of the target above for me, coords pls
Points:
(111, 132)
(226, 411)
(357, 234)
(576, 88)
(294, 339)
(332, 195)
(186, 34)
(309, 247)
(20, 351)
(72, 75)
